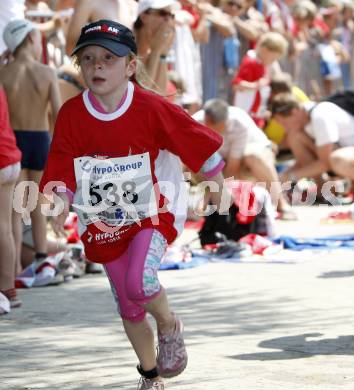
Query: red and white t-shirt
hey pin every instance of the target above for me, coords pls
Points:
(9, 152)
(125, 166)
(252, 101)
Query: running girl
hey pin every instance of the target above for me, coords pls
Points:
(118, 150)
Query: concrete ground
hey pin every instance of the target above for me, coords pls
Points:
(262, 326)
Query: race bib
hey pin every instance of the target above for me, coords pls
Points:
(117, 191)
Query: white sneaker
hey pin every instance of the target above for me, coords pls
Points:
(146, 384)
(4, 304)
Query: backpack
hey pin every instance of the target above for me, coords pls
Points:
(228, 226)
(238, 223)
(343, 99)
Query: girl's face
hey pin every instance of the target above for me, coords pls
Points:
(104, 72)
(155, 18)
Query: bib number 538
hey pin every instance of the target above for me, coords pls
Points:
(109, 193)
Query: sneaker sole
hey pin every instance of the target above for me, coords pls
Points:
(172, 374)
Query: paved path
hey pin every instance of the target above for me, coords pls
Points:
(248, 326)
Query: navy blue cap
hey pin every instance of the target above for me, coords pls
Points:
(111, 35)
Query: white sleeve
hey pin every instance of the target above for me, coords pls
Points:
(237, 139)
(324, 126)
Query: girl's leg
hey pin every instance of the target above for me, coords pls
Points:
(7, 243)
(145, 253)
(39, 221)
(136, 326)
(143, 287)
(141, 337)
(17, 223)
(137, 289)
(141, 334)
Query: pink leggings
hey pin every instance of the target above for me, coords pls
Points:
(133, 275)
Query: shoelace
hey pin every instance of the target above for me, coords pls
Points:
(147, 382)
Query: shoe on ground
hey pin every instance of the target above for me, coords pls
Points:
(79, 267)
(73, 260)
(4, 304)
(11, 295)
(172, 356)
(66, 268)
(145, 384)
(93, 268)
(287, 214)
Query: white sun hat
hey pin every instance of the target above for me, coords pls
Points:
(15, 32)
(144, 5)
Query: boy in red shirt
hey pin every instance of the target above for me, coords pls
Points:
(251, 82)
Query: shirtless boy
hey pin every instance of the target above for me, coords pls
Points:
(31, 88)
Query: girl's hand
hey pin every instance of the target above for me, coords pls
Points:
(59, 220)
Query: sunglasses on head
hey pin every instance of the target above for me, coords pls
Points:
(234, 4)
(284, 110)
(162, 12)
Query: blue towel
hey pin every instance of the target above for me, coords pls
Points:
(330, 242)
(195, 262)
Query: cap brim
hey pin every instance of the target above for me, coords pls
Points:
(116, 48)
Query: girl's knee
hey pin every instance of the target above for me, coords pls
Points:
(144, 293)
(134, 293)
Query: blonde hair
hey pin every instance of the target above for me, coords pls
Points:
(283, 104)
(274, 42)
(304, 10)
(140, 76)
(281, 82)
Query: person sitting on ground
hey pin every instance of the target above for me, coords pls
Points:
(31, 88)
(251, 82)
(244, 146)
(314, 131)
(54, 245)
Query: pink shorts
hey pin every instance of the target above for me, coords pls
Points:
(133, 276)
